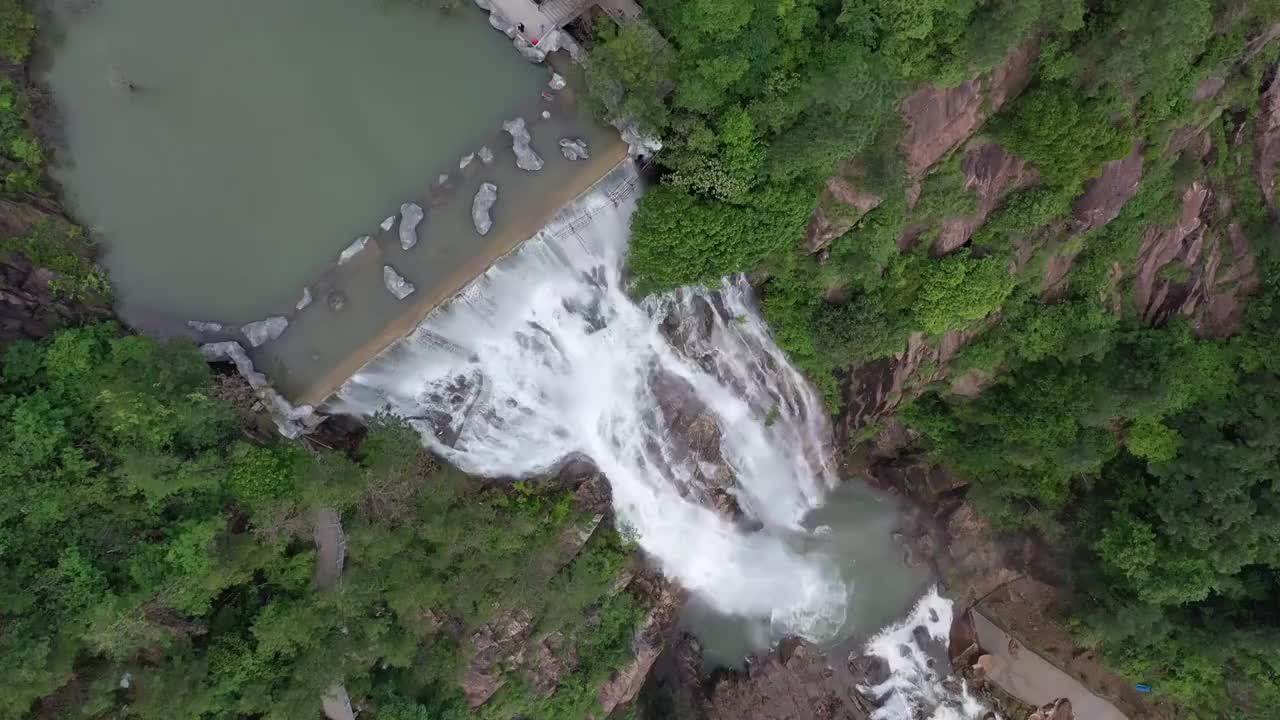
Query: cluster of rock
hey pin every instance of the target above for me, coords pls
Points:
(396, 284)
(526, 158)
(290, 420)
(483, 202)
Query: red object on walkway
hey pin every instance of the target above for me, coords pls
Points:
(534, 41)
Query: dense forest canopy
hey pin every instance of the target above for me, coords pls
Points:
(1138, 440)
(160, 561)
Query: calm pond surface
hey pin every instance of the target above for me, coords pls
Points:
(225, 152)
(856, 532)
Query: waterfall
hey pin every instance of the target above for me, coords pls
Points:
(714, 446)
(545, 357)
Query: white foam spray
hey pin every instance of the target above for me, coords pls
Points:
(545, 357)
(914, 688)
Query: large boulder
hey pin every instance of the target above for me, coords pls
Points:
(483, 202)
(396, 284)
(263, 331)
(203, 327)
(356, 247)
(526, 158)
(410, 215)
(574, 149)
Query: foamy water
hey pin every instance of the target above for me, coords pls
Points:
(545, 357)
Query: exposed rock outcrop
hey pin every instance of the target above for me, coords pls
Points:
(574, 149)
(356, 247)
(396, 284)
(263, 331)
(29, 307)
(1106, 195)
(492, 645)
(291, 421)
(648, 644)
(1059, 709)
(874, 389)
(840, 207)
(205, 328)
(411, 215)
(481, 204)
(795, 682)
(1268, 143)
(1190, 268)
(992, 174)
(526, 158)
(485, 155)
(940, 119)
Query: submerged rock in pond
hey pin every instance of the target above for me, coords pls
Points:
(305, 301)
(526, 158)
(557, 81)
(410, 215)
(485, 197)
(466, 160)
(353, 249)
(388, 223)
(204, 327)
(574, 149)
(486, 155)
(291, 421)
(263, 331)
(336, 301)
(396, 284)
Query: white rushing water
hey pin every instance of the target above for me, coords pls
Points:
(914, 688)
(677, 400)
(545, 357)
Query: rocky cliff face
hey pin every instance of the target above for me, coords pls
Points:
(30, 306)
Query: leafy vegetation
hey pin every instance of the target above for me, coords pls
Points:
(159, 565)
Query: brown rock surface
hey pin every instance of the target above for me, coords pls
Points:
(877, 387)
(1106, 195)
(992, 174)
(649, 642)
(493, 645)
(795, 683)
(1201, 287)
(840, 207)
(940, 119)
(28, 306)
(1268, 142)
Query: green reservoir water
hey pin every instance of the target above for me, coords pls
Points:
(225, 152)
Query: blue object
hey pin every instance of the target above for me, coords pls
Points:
(1142, 687)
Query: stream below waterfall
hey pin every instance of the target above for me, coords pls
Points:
(715, 447)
